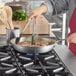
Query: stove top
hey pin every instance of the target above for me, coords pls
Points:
(13, 63)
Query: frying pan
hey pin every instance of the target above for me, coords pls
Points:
(33, 49)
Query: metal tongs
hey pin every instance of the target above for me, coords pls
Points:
(25, 27)
(33, 30)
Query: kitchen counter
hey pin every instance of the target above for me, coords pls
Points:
(67, 57)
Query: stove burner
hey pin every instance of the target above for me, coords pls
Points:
(13, 63)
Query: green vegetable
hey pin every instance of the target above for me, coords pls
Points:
(20, 15)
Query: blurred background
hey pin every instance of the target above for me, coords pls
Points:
(58, 23)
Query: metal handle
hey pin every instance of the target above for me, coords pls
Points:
(14, 0)
(33, 30)
(60, 40)
(25, 27)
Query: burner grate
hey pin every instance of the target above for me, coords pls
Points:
(13, 63)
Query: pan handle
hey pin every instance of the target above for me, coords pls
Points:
(58, 41)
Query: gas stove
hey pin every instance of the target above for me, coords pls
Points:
(13, 63)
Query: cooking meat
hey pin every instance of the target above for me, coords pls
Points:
(25, 43)
(37, 43)
(41, 43)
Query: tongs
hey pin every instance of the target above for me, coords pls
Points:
(33, 30)
(25, 27)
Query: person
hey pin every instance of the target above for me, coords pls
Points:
(72, 35)
(54, 7)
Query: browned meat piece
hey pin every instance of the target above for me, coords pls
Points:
(41, 43)
(26, 43)
(37, 43)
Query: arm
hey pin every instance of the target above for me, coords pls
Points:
(72, 24)
(51, 7)
(56, 6)
(59, 6)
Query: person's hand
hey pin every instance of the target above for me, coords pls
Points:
(38, 11)
(72, 38)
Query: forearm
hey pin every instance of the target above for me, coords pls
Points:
(56, 6)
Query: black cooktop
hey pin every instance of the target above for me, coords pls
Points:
(13, 63)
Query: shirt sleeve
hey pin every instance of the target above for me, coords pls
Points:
(49, 12)
(60, 6)
(56, 7)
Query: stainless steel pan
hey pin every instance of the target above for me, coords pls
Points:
(32, 49)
